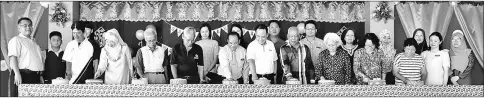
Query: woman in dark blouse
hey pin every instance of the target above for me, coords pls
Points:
(334, 63)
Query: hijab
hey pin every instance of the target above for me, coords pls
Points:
(114, 53)
(459, 55)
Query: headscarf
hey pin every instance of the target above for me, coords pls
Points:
(114, 53)
(459, 55)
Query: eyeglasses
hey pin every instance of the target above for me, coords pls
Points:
(25, 25)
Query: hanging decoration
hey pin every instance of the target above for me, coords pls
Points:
(179, 31)
(60, 15)
(382, 12)
(238, 11)
(98, 36)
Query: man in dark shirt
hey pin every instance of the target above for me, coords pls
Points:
(89, 29)
(187, 59)
(54, 65)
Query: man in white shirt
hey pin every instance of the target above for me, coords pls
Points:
(152, 59)
(262, 56)
(233, 62)
(78, 55)
(25, 55)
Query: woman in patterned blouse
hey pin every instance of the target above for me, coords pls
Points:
(350, 44)
(334, 63)
(388, 55)
(368, 62)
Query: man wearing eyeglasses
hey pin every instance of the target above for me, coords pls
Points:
(314, 43)
(25, 55)
(152, 59)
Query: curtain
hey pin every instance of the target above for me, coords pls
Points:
(432, 17)
(237, 11)
(470, 18)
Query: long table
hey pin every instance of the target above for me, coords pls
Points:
(245, 90)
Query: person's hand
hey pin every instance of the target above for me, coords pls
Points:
(312, 81)
(454, 80)
(97, 74)
(18, 79)
(202, 81)
(68, 75)
(366, 79)
(254, 77)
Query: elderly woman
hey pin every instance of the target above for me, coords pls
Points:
(388, 55)
(334, 63)
(462, 59)
(210, 50)
(368, 61)
(437, 60)
(115, 60)
(409, 67)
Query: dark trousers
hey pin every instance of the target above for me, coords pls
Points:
(192, 79)
(215, 78)
(390, 78)
(268, 76)
(5, 83)
(30, 77)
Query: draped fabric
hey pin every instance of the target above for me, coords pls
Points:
(432, 17)
(470, 18)
(244, 11)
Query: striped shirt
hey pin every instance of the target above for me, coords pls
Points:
(409, 68)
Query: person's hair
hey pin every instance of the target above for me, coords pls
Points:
(78, 25)
(209, 30)
(233, 34)
(374, 39)
(261, 26)
(89, 25)
(235, 25)
(310, 22)
(274, 21)
(331, 37)
(424, 42)
(409, 42)
(343, 36)
(55, 33)
(188, 29)
(24, 18)
(440, 38)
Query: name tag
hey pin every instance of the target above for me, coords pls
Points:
(437, 55)
(318, 47)
(196, 57)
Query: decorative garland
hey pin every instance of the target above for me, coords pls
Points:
(382, 11)
(60, 15)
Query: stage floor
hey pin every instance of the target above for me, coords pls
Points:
(246, 90)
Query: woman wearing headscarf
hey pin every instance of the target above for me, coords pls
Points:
(115, 60)
(419, 36)
(462, 59)
(388, 55)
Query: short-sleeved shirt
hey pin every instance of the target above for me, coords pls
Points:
(263, 56)
(28, 53)
(316, 46)
(409, 68)
(153, 60)
(187, 61)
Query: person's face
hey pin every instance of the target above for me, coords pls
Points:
(55, 41)
(238, 30)
(233, 42)
(261, 36)
(25, 27)
(456, 41)
(419, 37)
(386, 38)
(274, 29)
(188, 38)
(301, 29)
(311, 30)
(87, 32)
(150, 42)
(204, 33)
(350, 37)
(410, 50)
(434, 42)
(111, 43)
(369, 45)
(332, 45)
(293, 36)
(78, 35)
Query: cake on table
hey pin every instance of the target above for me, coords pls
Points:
(293, 81)
(178, 81)
(230, 81)
(139, 81)
(60, 80)
(323, 81)
(262, 81)
(94, 81)
(376, 81)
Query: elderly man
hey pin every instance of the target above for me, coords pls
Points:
(262, 56)
(296, 59)
(78, 55)
(233, 62)
(187, 59)
(314, 43)
(152, 59)
(25, 55)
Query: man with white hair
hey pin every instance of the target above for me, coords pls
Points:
(152, 59)
(334, 63)
(187, 59)
(296, 59)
